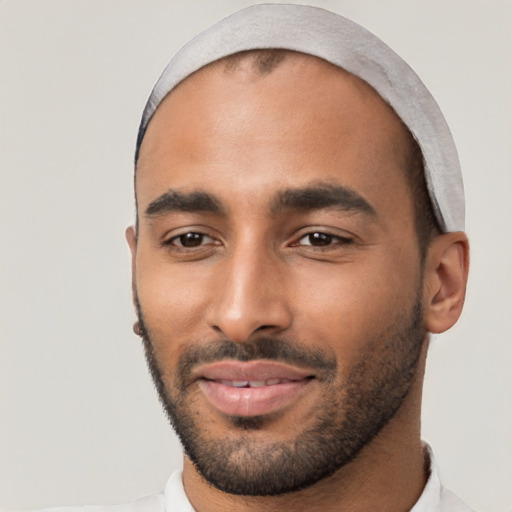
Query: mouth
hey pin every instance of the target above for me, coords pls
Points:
(252, 388)
(253, 383)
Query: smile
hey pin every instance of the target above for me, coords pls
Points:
(252, 388)
(253, 383)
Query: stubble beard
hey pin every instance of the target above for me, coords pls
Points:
(353, 411)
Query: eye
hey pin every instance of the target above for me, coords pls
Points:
(190, 240)
(320, 239)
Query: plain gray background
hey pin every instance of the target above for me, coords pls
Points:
(80, 422)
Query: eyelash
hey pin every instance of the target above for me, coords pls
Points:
(181, 237)
(325, 240)
(323, 236)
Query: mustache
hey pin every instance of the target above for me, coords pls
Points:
(264, 347)
(268, 348)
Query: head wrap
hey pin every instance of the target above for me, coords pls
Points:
(346, 44)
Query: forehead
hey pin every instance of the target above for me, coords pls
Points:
(301, 119)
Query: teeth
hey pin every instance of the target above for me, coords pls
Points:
(239, 383)
(253, 383)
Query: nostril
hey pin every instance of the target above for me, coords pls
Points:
(239, 319)
(262, 327)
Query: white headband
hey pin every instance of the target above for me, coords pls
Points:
(342, 42)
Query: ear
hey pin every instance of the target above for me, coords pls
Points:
(446, 275)
(131, 238)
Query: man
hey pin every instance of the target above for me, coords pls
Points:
(299, 234)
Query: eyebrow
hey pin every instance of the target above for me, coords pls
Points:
(175, 201)
(314, 197)
(317, 197)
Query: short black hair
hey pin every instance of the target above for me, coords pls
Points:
(426, 224)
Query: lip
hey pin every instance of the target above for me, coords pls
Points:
(271, 386)
(250, 370)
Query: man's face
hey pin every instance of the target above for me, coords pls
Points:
(276, 270)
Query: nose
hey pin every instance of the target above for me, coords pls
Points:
(250, 297)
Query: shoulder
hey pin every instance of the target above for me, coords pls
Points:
(153, 503)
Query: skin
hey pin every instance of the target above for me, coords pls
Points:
(244, 139)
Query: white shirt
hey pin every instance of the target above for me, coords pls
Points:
(435, 498)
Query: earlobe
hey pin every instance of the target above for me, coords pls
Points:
(446, 273)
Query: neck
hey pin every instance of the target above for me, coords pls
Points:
(388, 474)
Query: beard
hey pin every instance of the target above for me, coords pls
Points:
(355, 407)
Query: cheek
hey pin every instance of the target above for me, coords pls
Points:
(335, 306)
(347, 305)
(172, 301)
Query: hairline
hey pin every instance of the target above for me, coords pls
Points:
(264, 61)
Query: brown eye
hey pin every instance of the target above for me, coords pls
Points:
(318, 239)
(190, 240)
